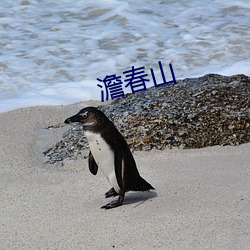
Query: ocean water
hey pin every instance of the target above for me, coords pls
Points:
(52, 52)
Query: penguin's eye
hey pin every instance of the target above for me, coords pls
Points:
(84, 115)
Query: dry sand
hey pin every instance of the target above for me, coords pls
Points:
(201, 201)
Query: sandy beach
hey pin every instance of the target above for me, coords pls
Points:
(201, 198)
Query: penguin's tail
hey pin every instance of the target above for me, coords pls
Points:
(141, 185)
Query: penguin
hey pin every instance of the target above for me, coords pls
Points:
(110, 152)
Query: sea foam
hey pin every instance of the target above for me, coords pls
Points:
(52, 52)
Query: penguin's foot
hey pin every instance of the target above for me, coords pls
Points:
(113, 204)
(111, 193)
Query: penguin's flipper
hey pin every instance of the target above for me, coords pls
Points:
(118, 166)
(93, 167)
(111, 193)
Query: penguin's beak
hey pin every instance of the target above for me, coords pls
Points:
(74, 118)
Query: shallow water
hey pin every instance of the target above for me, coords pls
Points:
(52, 52)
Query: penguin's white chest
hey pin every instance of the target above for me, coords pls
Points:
(104, 157)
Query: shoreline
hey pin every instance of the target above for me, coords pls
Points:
(201, 197)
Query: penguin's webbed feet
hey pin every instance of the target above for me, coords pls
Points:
(111, 193)
(113, 204)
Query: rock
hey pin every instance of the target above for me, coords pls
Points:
(194, 113)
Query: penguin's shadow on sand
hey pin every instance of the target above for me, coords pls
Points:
(139, 198)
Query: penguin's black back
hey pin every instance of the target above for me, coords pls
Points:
(132, 180)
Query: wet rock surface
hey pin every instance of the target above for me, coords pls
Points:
(194, 113)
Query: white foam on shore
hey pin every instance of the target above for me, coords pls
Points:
(52, 52)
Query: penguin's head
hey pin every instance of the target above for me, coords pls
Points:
(88, 117)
